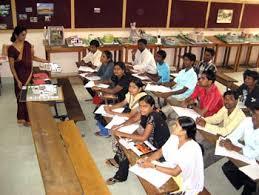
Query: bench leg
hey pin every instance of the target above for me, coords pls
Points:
(60, 117)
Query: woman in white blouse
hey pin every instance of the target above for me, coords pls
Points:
(183, 155)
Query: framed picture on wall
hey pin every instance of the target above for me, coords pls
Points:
(45, 8)
(225, 16)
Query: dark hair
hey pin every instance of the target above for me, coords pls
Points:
(144, 41)
(121, 65)
(95, 43)
(17, 30)
(189, 125)
(210, 50)
(162, 53)
(190, 56)
(148, 99)
(250, 73)
(231, 92)
(211, 75)
(108, 55)
(254, 108)
(137, 82)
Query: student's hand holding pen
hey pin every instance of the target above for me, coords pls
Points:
(145, 163)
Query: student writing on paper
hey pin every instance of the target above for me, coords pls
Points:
(118, 87)
(226, 119)
(248, 131)
(249, 90)
(92, 58)
(163, 69)
(207, 95)
(131, 101)
(105, 72)
(155, 131)
(183, 154)
(143, 59)
(206, 63)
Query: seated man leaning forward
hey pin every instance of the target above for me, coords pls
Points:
(248, 132)
(226, 119)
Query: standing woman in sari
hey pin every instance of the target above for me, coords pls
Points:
(21, 55)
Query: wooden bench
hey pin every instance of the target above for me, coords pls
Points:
(85, 168)
(57, 171)
(226, 81)
(74, 110)
(65, 163)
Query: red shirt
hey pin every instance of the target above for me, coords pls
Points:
(210, 99)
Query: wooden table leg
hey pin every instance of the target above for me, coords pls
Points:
(175, 56)
(248, 55)
(126, 55)
(225, 56)
(115, 56)
(179, 59)
(202, 53)
(237, 60)
(79, 56)
(216, 54)
(228, 56)
(257, 62)
(121, 55)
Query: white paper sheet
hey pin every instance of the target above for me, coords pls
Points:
(141, 77)
(153, 176)
(126, 142)
(157, 88)
(221, 151)
(91, 84)
(93, 78)
(129, 129)
(251, 171)
(86, 69)
(101, 111)
(186, 112)
(117, 120)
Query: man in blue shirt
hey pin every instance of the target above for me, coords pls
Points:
(163, 69)
(248, 131)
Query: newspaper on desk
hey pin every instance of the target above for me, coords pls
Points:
(157, 88)
(153, 176)
(192, 114)
(222, 151)
(86, 69)
(52, 67)
(46, 92)
(91, 84)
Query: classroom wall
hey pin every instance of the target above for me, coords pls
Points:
(67, 60)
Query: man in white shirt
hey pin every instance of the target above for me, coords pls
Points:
(143, 59)
(92, 58)
(248, 132)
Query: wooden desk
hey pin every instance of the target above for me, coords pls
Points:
(57, 171)
(63, 49)
(116, 49)
(226, 80)
(248, 54)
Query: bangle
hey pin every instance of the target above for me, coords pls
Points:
(155, 166)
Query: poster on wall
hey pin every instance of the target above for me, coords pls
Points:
(28, 9)
(22, 16)
(4, 10)
(225, 16)
(45, 8)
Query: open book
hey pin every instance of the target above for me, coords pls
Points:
(86, 69)
(157, 88)
(101, 111)
(142, 148)
(91, 84)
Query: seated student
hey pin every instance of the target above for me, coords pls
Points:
(226, 119)
(119, 82)
(207, 94)
(184, 83)
(248, 131)
(163, 69)
(184, 156)
(249, 90)
(131, 99)
(92, 58)
(207, 63)
(155, 131)
(143, 60)
(105, 72)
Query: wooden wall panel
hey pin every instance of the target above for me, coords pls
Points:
(250, 16)
(8, 19)
(188, 14)
(212, 23)
(61, 17)
(147, 13)
(109, 16)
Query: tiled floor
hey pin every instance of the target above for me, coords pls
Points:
(19, 170)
